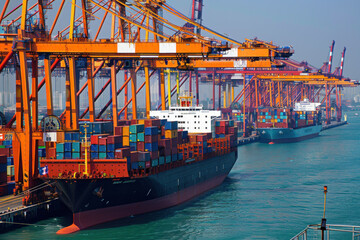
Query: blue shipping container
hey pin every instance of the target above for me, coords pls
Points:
(110, 155)
(152, 146)
(67, 155)
(94, 148)
(10, 161)
(67, 147)
(94, 155)
(149, 131)
(161, 160)
(68, 136)
(102, 148)
(171, 125)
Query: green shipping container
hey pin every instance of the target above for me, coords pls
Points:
(136, 128)
(133, 137)
(76, 147)
(102, 155)
(141, 137)
(76, 155)
(60, 147)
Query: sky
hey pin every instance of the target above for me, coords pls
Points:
(309, 26)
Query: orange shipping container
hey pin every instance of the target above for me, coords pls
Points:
(126, 131)
(126, 141)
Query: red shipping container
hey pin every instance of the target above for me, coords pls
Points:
(114, 139)
(133, 121)
(3, 177)
(180, 139)
(118, 131)
(166, 143)
(94, 139)
(192, 138)
(152, 122)
(6, 152)
(140, 146)
(224, 123)
(174, 150)
(51, 153)
(123, 122)
(134, 155)
(151, 139)
(174, 142)
(148, 164)
(154, 154)
(3, 159)
(122, 153)
(103, 141)
(201, 138)
(162, 130)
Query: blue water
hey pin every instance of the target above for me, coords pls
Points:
(273, 192)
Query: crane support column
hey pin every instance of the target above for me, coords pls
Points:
(26, 136)
(34, 93)
(68, 100)
(197, 87)
(147, 92)
(133, 93)
(73, 97)
(114, 94)
(90, 83)
(126, 95)
(19, 103)
(48, 83)
(162, 90)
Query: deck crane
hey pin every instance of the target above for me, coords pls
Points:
(326, 67)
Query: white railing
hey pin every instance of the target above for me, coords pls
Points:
(334, 231)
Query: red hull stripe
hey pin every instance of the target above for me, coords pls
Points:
(90, 218)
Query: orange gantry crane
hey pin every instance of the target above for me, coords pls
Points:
(140, 39)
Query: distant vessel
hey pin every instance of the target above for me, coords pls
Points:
(356, 114)
(284, 125)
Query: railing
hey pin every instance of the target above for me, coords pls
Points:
(332, 230)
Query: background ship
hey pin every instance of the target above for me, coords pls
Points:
(283, 125)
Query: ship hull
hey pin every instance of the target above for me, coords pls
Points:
(96, 201)
(288, 135)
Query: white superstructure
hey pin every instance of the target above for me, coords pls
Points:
(306, 105)
(190, 118)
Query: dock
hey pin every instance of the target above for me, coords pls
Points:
(333, 125)
(13, 214)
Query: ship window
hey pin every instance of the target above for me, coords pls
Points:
(205, 127)
(194, 121)
(206, 116)
(163, 116)
(195, 116)
(205, 121)
(187, 121)
(195, 127)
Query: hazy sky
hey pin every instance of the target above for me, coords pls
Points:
(308, 25)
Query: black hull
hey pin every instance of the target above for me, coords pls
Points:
(117, 198)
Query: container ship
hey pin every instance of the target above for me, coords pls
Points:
(142, 166)
(285, 125)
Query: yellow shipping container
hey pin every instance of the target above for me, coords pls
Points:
(126, 131)
(126, 141)
(141, 121)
